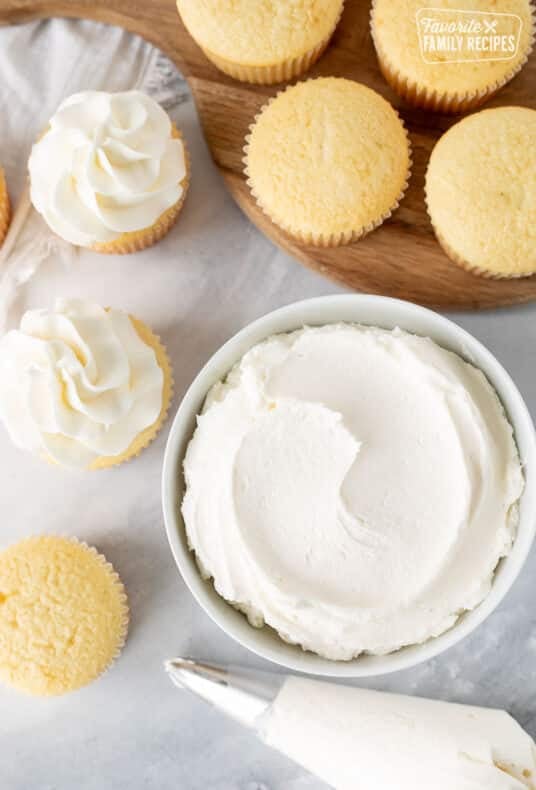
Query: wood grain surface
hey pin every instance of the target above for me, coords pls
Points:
(401, 258)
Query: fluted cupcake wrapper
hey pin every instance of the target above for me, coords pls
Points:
(5, 207)
(461, 262)
(476, 270)
(123, 599)
(116, 582)
(145, 438)
(139, 240)
(321, 239)
(440, 101)
(270, 74)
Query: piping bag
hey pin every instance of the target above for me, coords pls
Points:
(357, 739)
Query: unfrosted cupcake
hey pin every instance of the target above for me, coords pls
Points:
(470, 70)
(481, 192)
(110, 172)
(5, 207)
(328, 160)
(262, 41)
(83, 386)
(63, 615)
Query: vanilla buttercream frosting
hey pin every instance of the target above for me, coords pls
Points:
(106, 165)
(352, 487)
(356, 739)
(77, 383)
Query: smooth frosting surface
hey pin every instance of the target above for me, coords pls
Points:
(106, 165)
(77, 383)
(356, 739)
(352, 487)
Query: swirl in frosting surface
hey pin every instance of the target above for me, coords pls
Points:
(106, 165)
(352, 487)
(77, 382)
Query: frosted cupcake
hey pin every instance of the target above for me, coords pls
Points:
(434, 69)
(82, 386)
(5, 207)
(481, 192)
(259, 41)
(328, 160)
(63, 618)
(110, 172)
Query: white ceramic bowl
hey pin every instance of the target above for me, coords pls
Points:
(376, 311)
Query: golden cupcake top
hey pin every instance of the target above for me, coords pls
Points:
(259, 32)
(327, 158)
(453, 46)
(63, 615)
(481, 191)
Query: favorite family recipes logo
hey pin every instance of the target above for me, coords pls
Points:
(460, 36)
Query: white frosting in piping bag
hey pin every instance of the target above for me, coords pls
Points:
(77, 382)
(352, 487)
(106, 165)
(356, 739)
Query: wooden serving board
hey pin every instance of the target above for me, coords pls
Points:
(401, 258)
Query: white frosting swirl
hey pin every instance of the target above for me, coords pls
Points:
(352, 487)
(106, 165)
(77, 382)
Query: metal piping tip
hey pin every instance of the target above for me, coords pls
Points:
(244, 695)
(180, 670)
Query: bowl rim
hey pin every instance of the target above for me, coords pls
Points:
(414, 318)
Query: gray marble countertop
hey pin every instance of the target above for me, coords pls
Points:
(132, 729)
